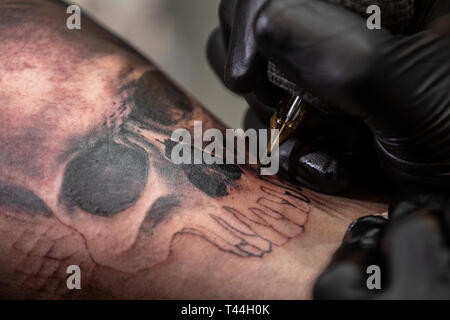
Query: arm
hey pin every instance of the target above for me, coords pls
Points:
(85, 179)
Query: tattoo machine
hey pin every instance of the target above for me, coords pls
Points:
(294, 107)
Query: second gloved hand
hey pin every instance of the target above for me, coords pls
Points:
(411, 251)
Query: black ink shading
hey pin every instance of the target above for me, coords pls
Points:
(158, 102)
(211, 179)
(106, 178)
(293, 191)
(160, 211)
(21, 199)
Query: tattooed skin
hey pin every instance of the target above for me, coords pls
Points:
(86, 179)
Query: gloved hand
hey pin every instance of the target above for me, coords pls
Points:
(412, 251)
(395, 88)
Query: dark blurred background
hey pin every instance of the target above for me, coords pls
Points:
(173, 33)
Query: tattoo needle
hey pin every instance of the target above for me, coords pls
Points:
(291, 112)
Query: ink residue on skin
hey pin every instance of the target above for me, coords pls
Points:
(106, 179)
(21, 199)
(160, 210)
(211, 179)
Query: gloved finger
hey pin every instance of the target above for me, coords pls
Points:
(263, 100)
(227, 9)
(362, 242)
(366, 232)
(217, 44)
(216, 52)
(416, 254)
(345, 277)
(409, 201)
(245, 66)
(342, 280)
(319, 170)
(266, 96)
(330, 155)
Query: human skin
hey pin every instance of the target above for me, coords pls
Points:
(86, 179)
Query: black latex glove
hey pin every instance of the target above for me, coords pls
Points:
(397, 86)
(412, 251)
